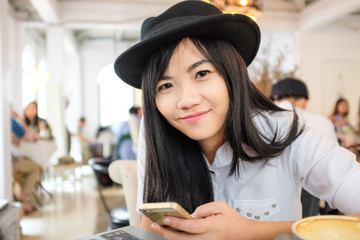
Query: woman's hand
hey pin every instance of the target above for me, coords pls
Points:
(216, 220)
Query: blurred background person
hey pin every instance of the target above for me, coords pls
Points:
(35, 127)
(126, 138)
(29, 171)
(345, 132)
(80, 144)
(80, 130)
(291, 93)
(104, 142)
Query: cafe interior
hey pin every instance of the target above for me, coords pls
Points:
(60, 53)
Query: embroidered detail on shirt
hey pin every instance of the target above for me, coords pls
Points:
(260, 209)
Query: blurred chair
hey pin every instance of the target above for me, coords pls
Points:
(106, 139)
(65, 169)
(67, 165)
(125, 173)
(81, 151)
(38, 197)
(119, 217)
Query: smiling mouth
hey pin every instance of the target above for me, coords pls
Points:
(195, 117)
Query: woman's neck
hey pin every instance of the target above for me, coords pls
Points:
(31, 120)
(210, 148)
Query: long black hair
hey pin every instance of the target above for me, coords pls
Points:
(176, 169)
(28, 122)
(336, 107)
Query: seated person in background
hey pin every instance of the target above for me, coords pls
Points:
(289, 94)
(30, 170)
(127, 137)
(104, 139)
(80, 130)
(345, 132)
(35, 127)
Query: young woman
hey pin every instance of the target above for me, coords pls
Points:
(339, 116)
(213, 143)
(35, 126)
(347, 135)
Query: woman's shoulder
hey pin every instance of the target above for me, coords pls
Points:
(43, 121)
(331, 117)
(278, 122)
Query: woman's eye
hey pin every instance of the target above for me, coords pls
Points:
(202, 73)
(164, 86)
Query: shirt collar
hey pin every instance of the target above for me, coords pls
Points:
(222, 158)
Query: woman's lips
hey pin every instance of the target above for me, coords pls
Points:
(195, 117)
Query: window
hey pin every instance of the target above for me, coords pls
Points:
(28, 66)
(34, 78)
(115, 97)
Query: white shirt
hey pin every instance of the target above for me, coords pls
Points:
(314, 120)
(270, 191)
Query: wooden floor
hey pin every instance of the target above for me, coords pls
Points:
(73, 211)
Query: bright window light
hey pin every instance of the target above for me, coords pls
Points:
(115, 97)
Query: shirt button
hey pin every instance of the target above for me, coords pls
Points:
(273, 205)
(238, 210)
(248, 214)
(267, 213)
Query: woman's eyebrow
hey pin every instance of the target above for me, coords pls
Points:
(164, 78)
(189, 69)
(196, 64)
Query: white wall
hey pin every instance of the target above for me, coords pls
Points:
(275, 46)
(330, 65)
(10, 65)
(72, 84)
(5, 160)
(94, 56)
(15, 83)
(55, 42)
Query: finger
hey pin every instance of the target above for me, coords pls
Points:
(209, 209)
(186, 225)
(167, 233)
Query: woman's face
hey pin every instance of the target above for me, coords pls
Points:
(192, 95)
(342, 107)
(31, 111)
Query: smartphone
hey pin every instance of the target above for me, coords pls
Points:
(156, 211)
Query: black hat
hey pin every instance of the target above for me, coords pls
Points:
(187, 19)
(289, 87)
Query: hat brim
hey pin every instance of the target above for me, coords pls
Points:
(238, 29)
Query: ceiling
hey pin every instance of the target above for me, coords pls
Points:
(121, 19)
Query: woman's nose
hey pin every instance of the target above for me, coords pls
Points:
(189, 96)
